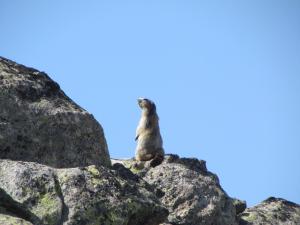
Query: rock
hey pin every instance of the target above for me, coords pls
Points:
(39, 123)
(12, 212)
(100, 196)
(239, 205)
(275, 211)
(35, 187)
(79, 196)
(192, 194)
(11, 220)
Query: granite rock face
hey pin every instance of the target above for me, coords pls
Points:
(12, 212)
(40, 194)
(192, 194)
(275, 211)
(39, 123)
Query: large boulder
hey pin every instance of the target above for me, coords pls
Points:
(76, 196)
(190, 192)
(6, 219)
(39, 123)
(12, 212)
(275, 211)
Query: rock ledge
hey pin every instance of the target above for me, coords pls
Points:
(39, 123)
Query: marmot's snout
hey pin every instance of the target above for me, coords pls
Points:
(144, 102)
(140, 100)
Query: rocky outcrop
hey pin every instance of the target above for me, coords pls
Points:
(76, 196)
(239, 205)
(39, 123)
(12, 212)
(32, 193)
(275, 211)
(55, 169)
(192, 194)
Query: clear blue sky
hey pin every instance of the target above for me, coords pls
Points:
(225, 76)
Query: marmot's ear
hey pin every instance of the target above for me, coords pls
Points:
(153, 106)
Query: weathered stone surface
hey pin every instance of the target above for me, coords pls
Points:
(275, 211)
(239, 205)
(35, 187)
(77, 196)
(39, 123)
(12, 212)
(6, 219)
(192, 194)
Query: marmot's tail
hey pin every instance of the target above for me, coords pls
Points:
(157, 160)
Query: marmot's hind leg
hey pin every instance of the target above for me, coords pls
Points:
(143, 156)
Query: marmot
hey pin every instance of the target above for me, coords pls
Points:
(149, 141)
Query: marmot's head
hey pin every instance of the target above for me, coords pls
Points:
(146, 104)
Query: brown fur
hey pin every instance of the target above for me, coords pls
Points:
(149, 141)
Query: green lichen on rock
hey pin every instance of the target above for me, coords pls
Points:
(135, 170)
(131, 164)
(63, 177)
(35, 188)
(46, 208)
(98, 195)
(93, 170)
(275, 211)
(250, 217)
(115, 218)
(91, 216)
(95, 175)
(101, 214)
